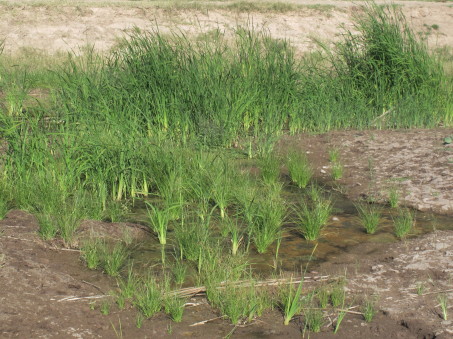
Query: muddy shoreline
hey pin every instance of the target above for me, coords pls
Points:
(49, 293)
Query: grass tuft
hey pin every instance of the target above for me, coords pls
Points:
(148, 298)
(159, 219)
(91, 253)
(313, 319)
(114, 258)
(299, 169)
(393, 197)
(313, 214)
(369, 216)
(267, 222)
(387, 66)
(270, 168)
(174, 307)
(443, 301)
(404, 223)
(369, 310)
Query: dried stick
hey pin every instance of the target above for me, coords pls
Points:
(74, 298)
(206, 321)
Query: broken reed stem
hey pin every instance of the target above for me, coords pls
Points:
(206, 321)
(193, 291)
(74, 298)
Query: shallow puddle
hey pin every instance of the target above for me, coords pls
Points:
(343, 231)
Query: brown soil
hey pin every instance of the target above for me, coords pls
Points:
(393, 273)
(46, 291)
(414, 162)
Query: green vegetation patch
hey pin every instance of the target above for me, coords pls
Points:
(149, 124)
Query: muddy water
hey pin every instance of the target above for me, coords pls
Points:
(343, 231)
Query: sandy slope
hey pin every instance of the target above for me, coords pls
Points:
(68, 26)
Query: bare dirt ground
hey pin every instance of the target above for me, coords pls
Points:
(46, 291)
(414, 162)
(395, 273)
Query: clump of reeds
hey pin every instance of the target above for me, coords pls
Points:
(443, 301)
(148, 297)
(299, 169)
(270, 168)
(337, 167)
(113, 258)
(390, 67)
(369, 216)
(404, 223)
(313, 213)
(393, 197)
(239, 303)
(369, 310)
(91, 252)
(267, 221)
